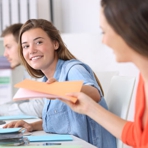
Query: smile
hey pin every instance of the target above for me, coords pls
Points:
(36, 57)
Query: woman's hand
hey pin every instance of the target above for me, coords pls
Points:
(51, 80)
(19, 123)
(83, 103)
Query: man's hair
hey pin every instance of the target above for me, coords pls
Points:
(12, 29)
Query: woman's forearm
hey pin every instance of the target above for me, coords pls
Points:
(37, 126)
(91, 92)
(109, 121)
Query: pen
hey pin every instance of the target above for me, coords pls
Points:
(49, 143)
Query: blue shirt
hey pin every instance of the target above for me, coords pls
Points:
(59, 118)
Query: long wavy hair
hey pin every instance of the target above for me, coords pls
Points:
(62, 52)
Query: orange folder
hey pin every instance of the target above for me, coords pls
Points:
(54, 90)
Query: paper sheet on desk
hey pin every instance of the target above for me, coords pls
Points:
(16, 117)
(48, 138)
(33, 89)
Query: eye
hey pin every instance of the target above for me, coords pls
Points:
(39, 42)
(102, 32)
(8, 47)
(25, 46)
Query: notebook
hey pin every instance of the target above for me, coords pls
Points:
(10, 130)
(44, 138)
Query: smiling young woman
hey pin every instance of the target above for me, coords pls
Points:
(44, 54)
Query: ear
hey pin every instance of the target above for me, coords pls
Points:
(56, 45)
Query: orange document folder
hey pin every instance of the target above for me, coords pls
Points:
(33, 89)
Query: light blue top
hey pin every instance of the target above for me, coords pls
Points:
(59, 118)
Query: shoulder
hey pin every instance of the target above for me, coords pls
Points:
(80, 71)
(78, 68)
(72, 62)
(75, 64)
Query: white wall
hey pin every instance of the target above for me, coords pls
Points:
(88, 47)
(43, 9)
(76, 16)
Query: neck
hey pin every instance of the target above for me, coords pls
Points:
(16, 66)
(49, 72)
(142, 63)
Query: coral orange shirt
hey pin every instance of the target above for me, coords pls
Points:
(133, 132)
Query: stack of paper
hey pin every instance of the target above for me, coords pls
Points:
(12, 137)
(33, 89)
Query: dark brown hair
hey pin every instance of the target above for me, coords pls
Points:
(62, 52)
(12, 29)
(129, 19)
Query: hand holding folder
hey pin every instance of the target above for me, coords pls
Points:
(32, 89)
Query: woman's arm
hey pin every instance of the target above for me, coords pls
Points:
(37, 126)
(86, 105)
(108, 120)
(91, 92)
(87, 89)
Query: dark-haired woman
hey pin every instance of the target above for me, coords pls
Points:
(125, 29)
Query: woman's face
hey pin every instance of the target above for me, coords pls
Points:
(109, 37)
(39, 49)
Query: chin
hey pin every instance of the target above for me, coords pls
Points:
(36, 67)
(119, 60)
(12, 66)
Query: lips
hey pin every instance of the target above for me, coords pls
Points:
(36, 57)
(9, 60)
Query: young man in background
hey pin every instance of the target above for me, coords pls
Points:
(29, 107)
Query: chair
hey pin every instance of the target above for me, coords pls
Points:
(119, 97)
(105, 79)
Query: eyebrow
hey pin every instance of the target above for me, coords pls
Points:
(34, 39)
(6, 45)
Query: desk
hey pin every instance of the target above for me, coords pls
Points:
(76, 141)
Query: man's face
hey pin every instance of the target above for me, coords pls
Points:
(11, 50)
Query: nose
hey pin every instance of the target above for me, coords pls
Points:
(32, 49)
(5, 54)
